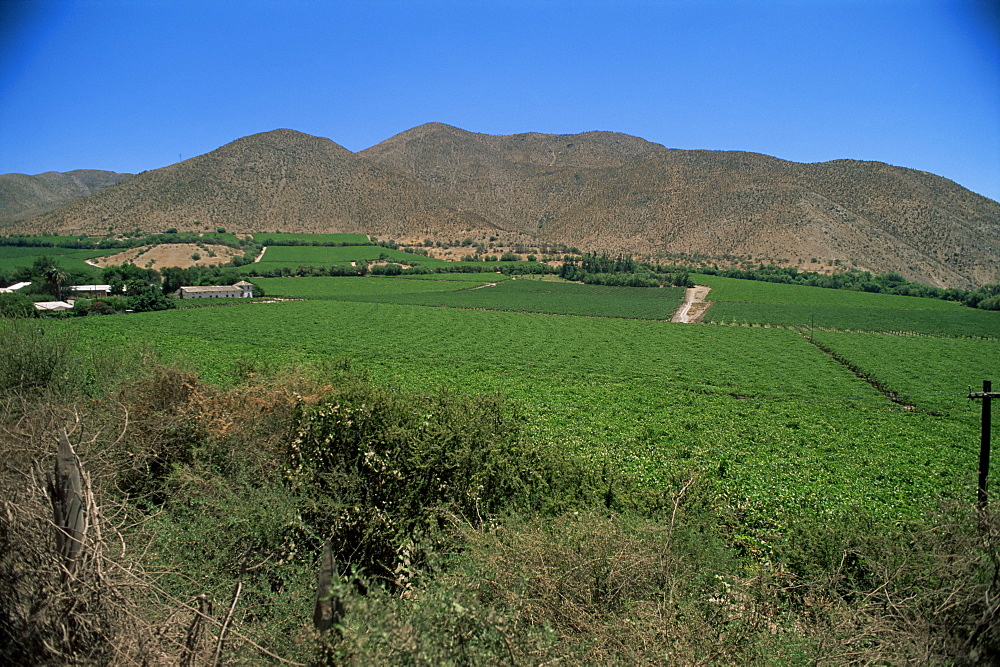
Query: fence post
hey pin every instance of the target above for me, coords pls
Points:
(329, 610)
(984, 441)
(66, 492)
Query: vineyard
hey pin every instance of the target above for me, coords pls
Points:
(494, 469)
(802, 307)
(291, 257)
(371, 288)
(284, 238)
(773, 420)
(12, 257)
(493, 293)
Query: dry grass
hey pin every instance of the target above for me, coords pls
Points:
(104, 606)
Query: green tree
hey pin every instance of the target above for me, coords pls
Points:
(990, 303)
(57, 280)
(148, 298)
(16, 305)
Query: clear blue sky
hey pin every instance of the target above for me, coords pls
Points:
(130, 85)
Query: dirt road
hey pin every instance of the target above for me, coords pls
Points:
(694, 306)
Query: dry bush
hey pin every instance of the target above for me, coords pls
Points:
(933, 596)
(56, 610)
(628, 590)
(106, 608)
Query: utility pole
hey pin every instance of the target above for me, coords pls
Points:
(986, 395)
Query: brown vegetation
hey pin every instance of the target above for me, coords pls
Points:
(23, 196)
(600, 191)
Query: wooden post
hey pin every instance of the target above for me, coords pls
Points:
(66, 492)
(984, 441)
(329, 610)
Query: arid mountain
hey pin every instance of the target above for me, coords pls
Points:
(23, 196)
(596, 190)
(614, 192)
(279, 180)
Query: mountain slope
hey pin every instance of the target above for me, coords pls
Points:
(612, 192)
(279, 180)
(600, 191)
(23, 196)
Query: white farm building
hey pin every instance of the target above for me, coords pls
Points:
(241, 290)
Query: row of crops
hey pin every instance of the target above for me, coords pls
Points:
(491, 292)
(777, 424)
(752, 302)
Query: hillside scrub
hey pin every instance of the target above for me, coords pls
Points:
(457, 539)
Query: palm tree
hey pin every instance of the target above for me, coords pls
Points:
(57, 279)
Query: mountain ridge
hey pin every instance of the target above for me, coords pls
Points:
(24, 196)
(602, 191)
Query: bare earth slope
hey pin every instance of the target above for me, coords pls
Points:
(279, 180)
(595, 190)
(613, 192)
(23, 196)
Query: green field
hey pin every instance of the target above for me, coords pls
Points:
(550, 462)
(489, 292)
(12, 257)
(292, 257)
(778, 425)
(927, 372)
(756, 302)
(54, 239)
(269, 238)
(535, 296)
(359, 289)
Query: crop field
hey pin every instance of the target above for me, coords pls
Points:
(12, 257)
(779, 426)
(462, 277)
(478, 449)
(757, 302)
(534, 296)
(291, 257)
(489, 292)
(52, 239)
(939, 376)
(369, 288)
(282, 237)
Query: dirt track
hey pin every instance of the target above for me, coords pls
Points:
(694, 306)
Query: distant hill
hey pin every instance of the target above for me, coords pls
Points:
(280, 180)
(596, 190)
(23, 196)
(614, 192)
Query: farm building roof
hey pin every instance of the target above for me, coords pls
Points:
(13, 288)
(53, 306)
(209, 288)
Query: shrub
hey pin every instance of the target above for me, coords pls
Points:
(100, 308)
(383, 472)
(149, 298)
(16, 305)
(34, 361)
(991, 303)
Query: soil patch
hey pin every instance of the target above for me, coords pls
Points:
(172, 254)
